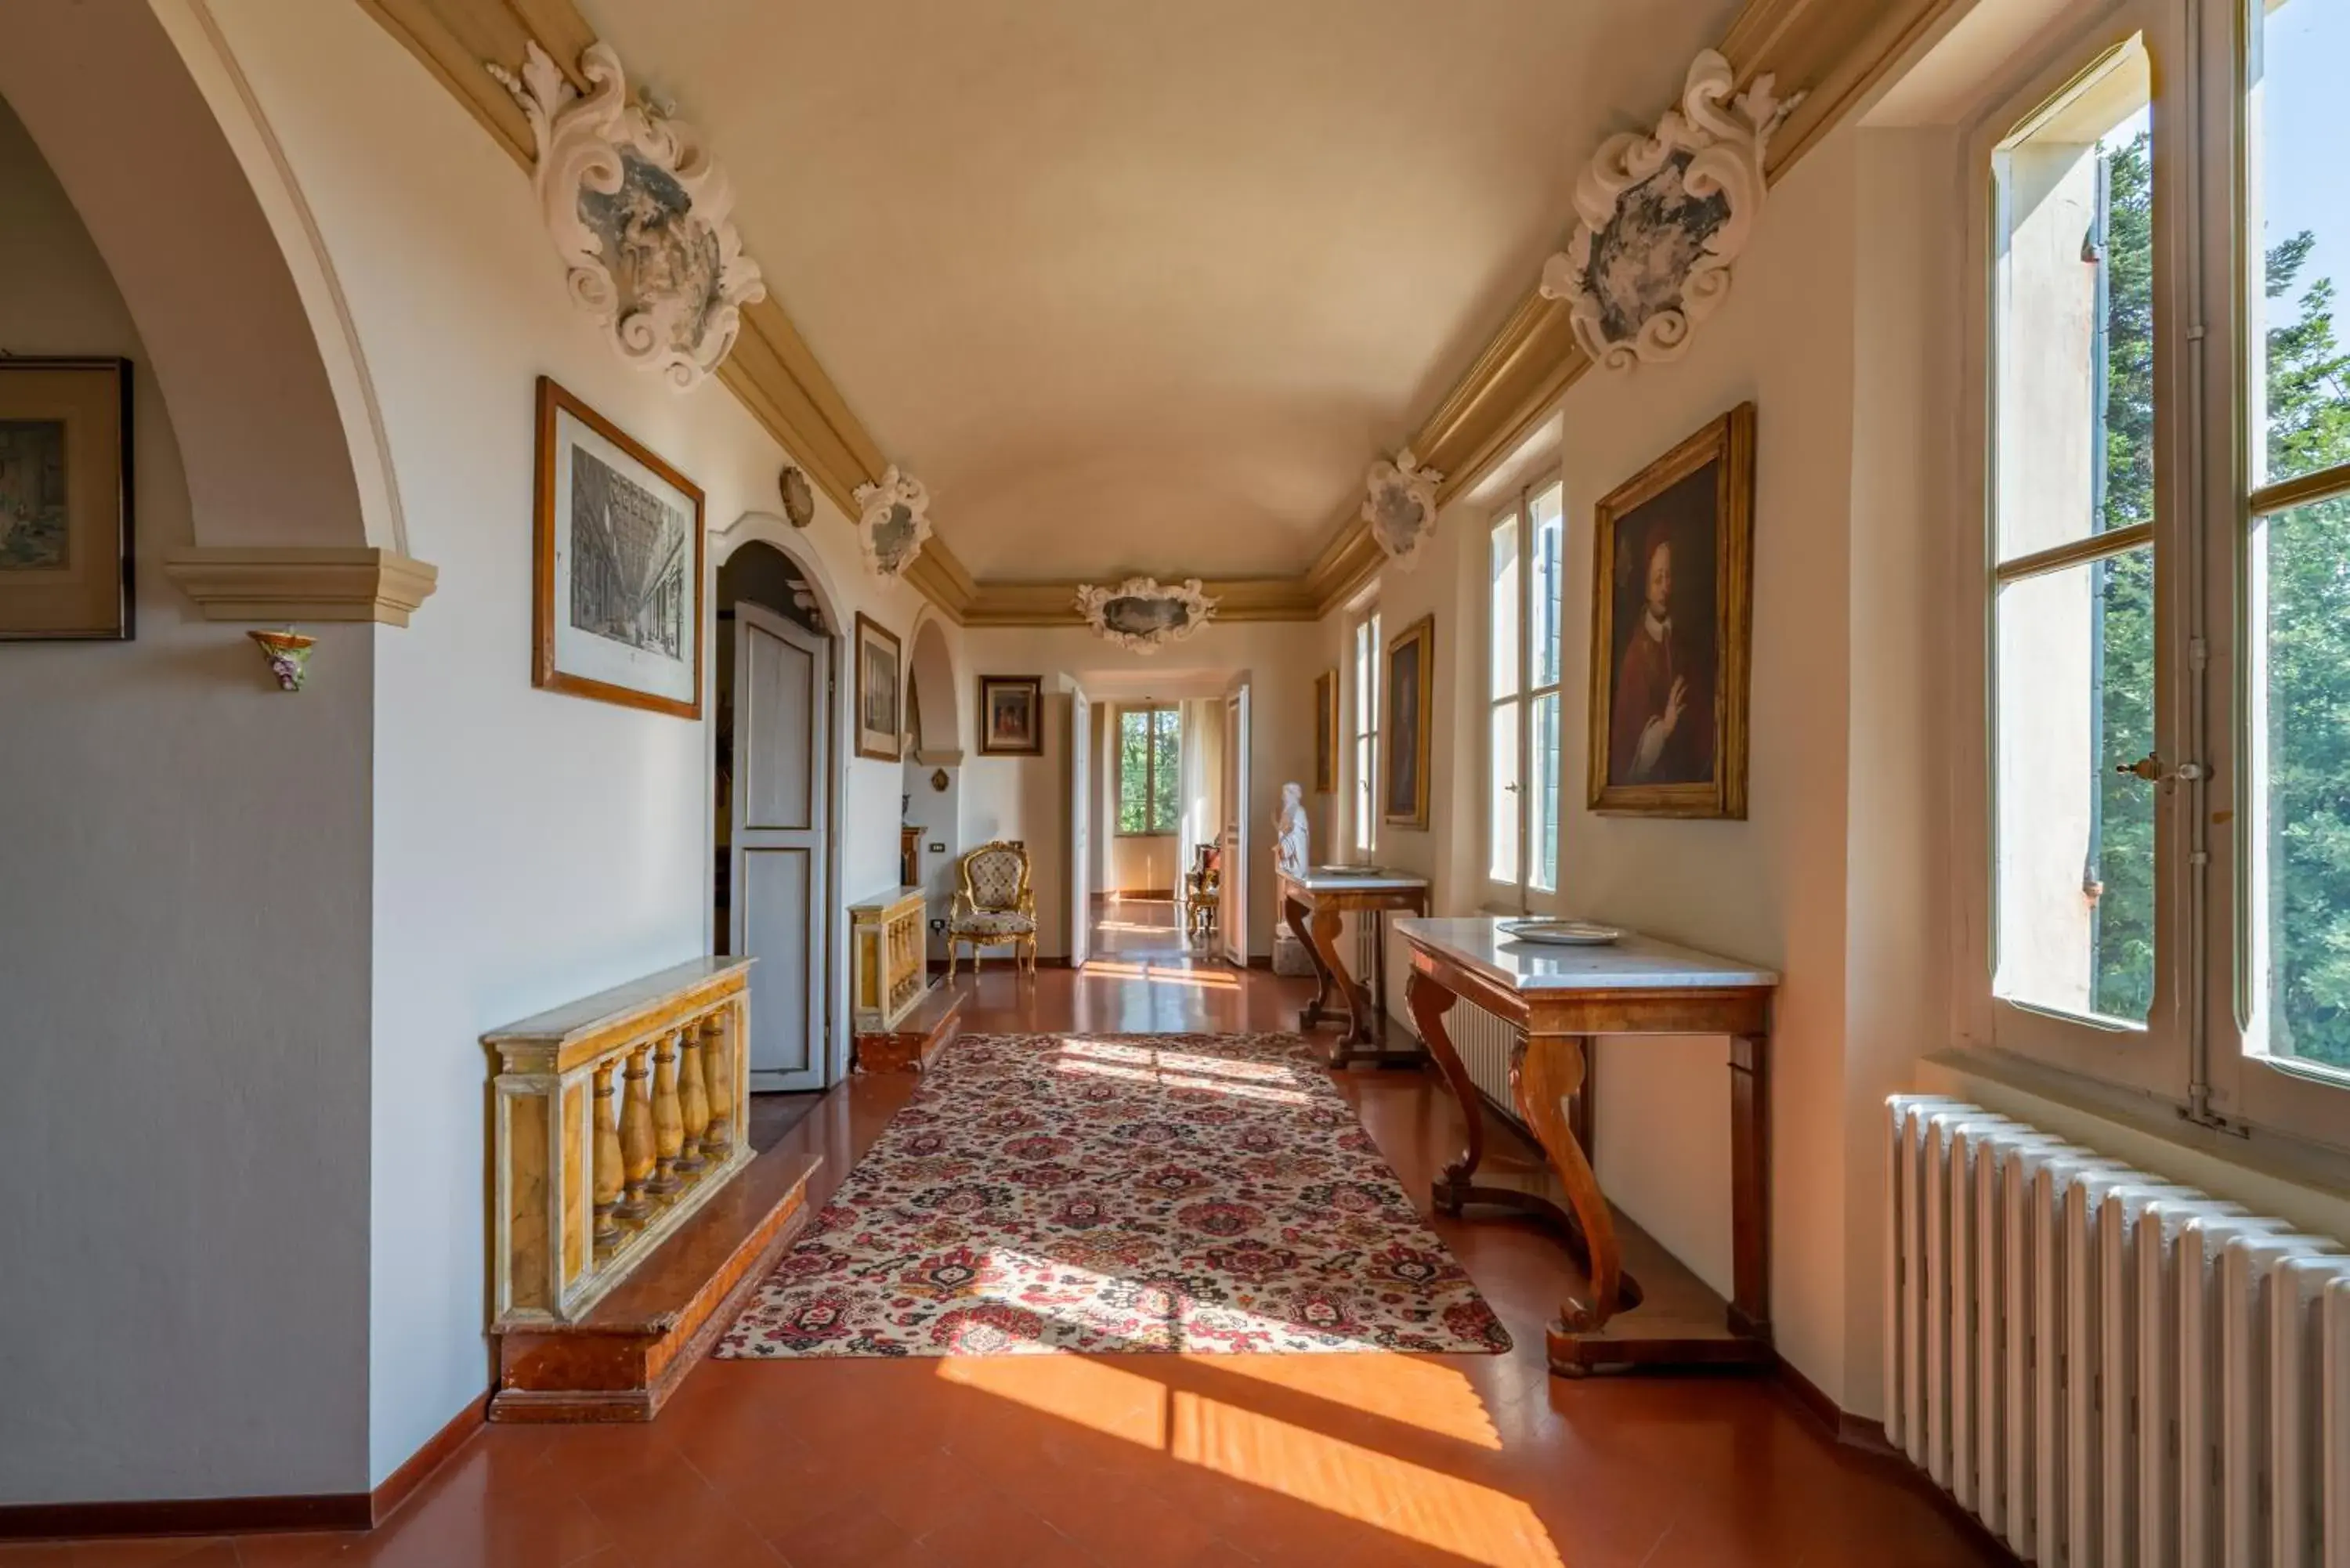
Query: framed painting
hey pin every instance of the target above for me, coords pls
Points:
(64, 499)
(616, 594)
(880, 681)
(1671, 627)
(1011, 716)
(1405, 721)
(1326, 733)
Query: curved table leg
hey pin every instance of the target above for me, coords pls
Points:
(1428, 1002)
(1321, 939)
(1549, 1071)
(1300, 918)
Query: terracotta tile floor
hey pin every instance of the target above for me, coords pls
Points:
(1155, 1461)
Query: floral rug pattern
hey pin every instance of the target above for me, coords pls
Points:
(1108, 1193)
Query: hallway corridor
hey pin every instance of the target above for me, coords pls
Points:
(1126, 1461)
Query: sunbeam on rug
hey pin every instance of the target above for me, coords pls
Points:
(1105, 1193)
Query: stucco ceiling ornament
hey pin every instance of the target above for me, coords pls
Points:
(1401, 506)
(640, 213)
(893, 520)
(1143, 615)
(1661, 218)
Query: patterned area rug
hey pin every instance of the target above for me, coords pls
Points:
(1107, 1193)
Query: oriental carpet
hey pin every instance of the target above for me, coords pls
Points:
(1205, 1193)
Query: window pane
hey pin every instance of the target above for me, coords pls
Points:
(1366, 780)
(1167, 771)
(1503, 597)
(1133, 772)
(2075, 869)
(1501, 807)
(2301, 776)
(2074, 334)
(1363, 679)
(2299, 206)
(1546, 588)
(1542, 864)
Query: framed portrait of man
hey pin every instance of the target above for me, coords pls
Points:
(1406, 695)
(1326, 733)
(1672, 628)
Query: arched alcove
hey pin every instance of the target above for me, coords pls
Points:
(934, 695)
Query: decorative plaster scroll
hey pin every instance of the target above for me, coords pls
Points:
(893, 521)
(1401, 507)
(1663, 216)
(640, 213)
(1143, 615)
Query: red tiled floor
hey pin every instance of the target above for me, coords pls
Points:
(1369, 1461)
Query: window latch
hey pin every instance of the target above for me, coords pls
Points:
(2150, 768)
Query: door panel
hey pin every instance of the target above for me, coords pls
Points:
(1239, 862)
(781, 811)
(1081, 892)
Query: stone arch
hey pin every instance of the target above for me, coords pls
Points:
(937, 693)
(766, 528)
(141, 115)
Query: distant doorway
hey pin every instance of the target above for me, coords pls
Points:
(1140, 928)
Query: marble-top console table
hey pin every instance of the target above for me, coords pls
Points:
(1642, 1307)
(1314, 903)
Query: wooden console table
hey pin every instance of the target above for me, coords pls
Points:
(1642, 1306)
(1314, 905)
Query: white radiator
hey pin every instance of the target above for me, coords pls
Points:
(2108, 1369)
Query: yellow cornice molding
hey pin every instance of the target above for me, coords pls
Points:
(287, 582)
(1834, 51)
(771, 370)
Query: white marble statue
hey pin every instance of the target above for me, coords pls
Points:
(1289, 851)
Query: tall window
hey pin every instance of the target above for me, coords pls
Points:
(2167, 479)
(1150, 770)
(1524, 587)
(1367, 733)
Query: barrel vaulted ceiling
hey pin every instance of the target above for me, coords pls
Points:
(1146, 287)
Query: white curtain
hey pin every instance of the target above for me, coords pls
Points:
(1202, 731)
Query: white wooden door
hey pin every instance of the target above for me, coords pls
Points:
(1081, 834)
(781, 813)
(1239, 860)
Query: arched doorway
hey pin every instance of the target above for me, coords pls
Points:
(931, 841)
(776, 863)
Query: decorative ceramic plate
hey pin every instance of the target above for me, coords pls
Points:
(1564, 933)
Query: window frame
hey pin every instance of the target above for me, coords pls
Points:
(1519, 515)
(1363, 734)
(1150, 769)
(2194, 1051)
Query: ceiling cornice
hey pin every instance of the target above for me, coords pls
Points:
(1834, 50)
(771, 370)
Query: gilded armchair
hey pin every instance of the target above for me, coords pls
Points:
(995, 908)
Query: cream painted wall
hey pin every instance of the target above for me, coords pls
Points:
(531, 847)
(182, 887)
(1021, 797)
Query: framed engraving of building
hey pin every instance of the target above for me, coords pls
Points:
(617, 601)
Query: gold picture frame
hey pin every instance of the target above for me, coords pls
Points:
(880, 692)
(602, 625)
(1326, 733)
(1671, 648)
(1407, 694)
(65, 500)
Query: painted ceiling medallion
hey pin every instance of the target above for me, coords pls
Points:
(892, 522)
(1663, 216)
(1401, 507)
(640, 213)
(799, 496)
(1143, 615)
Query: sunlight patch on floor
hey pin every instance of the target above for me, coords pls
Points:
(1071, 1388)
(1151, 974)
(1398, 1388)
(1224, 1087)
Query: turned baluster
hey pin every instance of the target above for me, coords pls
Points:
(669, 1118)
(637, 1136)
(718, 1078)
(608, 1177)
(692, 1101)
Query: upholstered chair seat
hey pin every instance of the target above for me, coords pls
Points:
(995, 908)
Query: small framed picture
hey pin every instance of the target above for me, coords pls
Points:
(64, 499)
(1011, 716)
(1326, 733)
(616, 600)
(1405, 696)
(1673, 608)
(880, 685)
